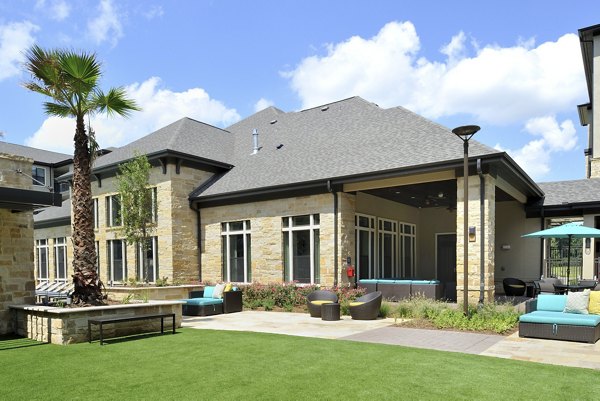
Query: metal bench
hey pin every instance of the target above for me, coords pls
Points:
(109, 319)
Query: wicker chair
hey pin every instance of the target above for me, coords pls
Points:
(366, 307)
(513, 287)
(315, 299)
(546, 286)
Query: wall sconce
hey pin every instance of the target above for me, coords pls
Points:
(471, 233)
(505, 247)
(588, 245)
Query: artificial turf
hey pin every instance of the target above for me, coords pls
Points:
(221, 365)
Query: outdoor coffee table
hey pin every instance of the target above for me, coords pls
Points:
(330, 311)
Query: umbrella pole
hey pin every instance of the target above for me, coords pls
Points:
(569, 260)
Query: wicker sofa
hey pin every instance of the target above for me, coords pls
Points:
(199, 305)
(545, 319)
(397, 289)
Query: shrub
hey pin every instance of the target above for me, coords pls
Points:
(385, 309)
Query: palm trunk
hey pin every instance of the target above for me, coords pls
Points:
(85, 277)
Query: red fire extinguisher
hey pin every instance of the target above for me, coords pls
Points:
(350, 271)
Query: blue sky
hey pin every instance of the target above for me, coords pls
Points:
(512, 67)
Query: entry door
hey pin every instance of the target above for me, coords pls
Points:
(446, 263)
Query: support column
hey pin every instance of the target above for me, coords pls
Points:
(474, 245)
(346, 236)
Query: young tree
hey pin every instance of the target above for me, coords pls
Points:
(71, 82)
(138, 205)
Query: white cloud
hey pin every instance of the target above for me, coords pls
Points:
(57, 10)
(495, 84)
(153, 12)
(160, 107)
(15, 39)
(535, 156)
(262, 104)
(106, 25)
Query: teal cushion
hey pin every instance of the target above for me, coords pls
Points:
(425, 282)
(208, 291)
(560, 318)
(403, 281)
(552, 303)
(204, 301)
(385, 281)
(369, 281)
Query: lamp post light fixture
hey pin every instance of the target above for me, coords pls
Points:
(465, 133)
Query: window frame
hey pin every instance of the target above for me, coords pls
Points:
(288, 226)
(140, 254)
(226, 233)
(60, 243)
(110, 217)
(41, 245)
(372, 253)
(35, 181)
(110, 260)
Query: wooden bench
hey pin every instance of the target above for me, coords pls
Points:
(110, 319)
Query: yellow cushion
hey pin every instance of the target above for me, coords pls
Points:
(321, 302)
(594, 307)
(356, 303)
(228, 287)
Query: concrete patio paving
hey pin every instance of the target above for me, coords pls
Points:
(382, 331)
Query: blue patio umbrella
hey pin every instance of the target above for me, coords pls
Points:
(570, 231)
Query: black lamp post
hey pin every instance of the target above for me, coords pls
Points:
(465, 133)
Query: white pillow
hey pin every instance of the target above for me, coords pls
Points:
(577, 302)
(218, 292)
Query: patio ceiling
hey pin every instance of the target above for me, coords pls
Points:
(429, 194)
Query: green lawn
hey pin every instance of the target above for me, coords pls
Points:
(219, 365)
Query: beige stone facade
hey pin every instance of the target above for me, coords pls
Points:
(16, 244)
(474, 245)
(175, 229)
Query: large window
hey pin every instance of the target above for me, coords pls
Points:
(38, 175)
(41, 250)
(116, 258)
(407, 249)
(387, 248)
(60, 258)
(235, 247)
(365, 246)
(150, 255)
(113, 211)
(301, 249)
(154, 205)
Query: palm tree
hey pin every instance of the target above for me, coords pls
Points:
(70, 79)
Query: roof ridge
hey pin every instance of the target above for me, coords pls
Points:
(340, 101)
(31, 147)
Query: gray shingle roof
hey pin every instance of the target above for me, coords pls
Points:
(38, 155)
(53, 213)
(341, 139)
(185, 135)
(575, 191)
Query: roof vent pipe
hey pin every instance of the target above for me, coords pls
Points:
(255, 147)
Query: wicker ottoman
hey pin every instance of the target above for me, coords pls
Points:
(330, 311)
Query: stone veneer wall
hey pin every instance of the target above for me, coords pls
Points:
(65, 326)
(594, 167)
(17, 284)
(346, 233)
(169, 293)
(474, 265)
(176, 227)
(266, 235)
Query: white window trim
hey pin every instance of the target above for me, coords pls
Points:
(96, 213)
(109, 211)
(58, 245)
(380, 252)
(38, 248)
(154, 259)
(290, 228)
(373, 230)
(400, 250)
(110, 261)
(46, 173)
(226, 234)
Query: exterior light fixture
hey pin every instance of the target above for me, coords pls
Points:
(465, 133)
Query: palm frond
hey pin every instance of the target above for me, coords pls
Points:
(59, 110)
(82, 71)
(115, 101)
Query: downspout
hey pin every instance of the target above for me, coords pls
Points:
(482, 230)
(199, 236)
(335, 232)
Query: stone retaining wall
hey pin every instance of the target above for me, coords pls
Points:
(65, 326)
(154, 293)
